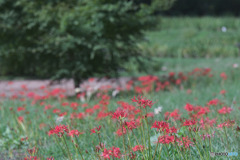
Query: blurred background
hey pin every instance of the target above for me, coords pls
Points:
(79, 39)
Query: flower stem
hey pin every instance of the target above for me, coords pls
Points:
(69, 154)
(123, 140)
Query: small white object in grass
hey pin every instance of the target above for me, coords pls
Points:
(235, 65)
(77, 90)
(115, 92)
(82, 98)
(59, 119)
(158, 110)
(224, 29)
(164, 68)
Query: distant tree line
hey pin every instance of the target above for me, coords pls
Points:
(205, 7)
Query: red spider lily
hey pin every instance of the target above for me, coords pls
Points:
(171, 130)
(48, 107)
(20, 109)
(130, 125)
(65, 104)
(119, 113)
(227, 124)
(20, 119)
(223, 75)
(126, 106)
(188, 107)
(121, 131)
(160, 125)
(225, 110)
(178, 82)
(113, 152)
(223, 92)
(97, 106)
(74, 132)
(171, 74)
(74, 105)
(213, 102)
(207, 122)
(204, 136)
(96, 128)
(138, 148)
(189, 122)
(56, 110)
(166, 139)
(31, 158)
(143, 102)
(184, 141)
(102, 115)
(175, 115)
(62, 114)
(59, 130)
(99, 147)
(50, 158)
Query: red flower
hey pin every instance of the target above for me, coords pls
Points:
(213, 102)
(112, 152)
(119, 113)
(96, 128)
(31, 158)
(166, 139)
(20, 119)
(175, 114)
(138, 148)
(160, 125)
(227, 124)
(222, 92)
(185, 141)
(122, 130)
(143, 102)
(50, 158)
(20, 109)
(225, 110)
(131, 125)
(59, 130)
(74, 132)
(223, 75)
(189, 122)
(188, 107)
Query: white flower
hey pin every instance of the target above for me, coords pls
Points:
(224, 29)
(115, 92)
(158, 110)
(77, 90)
(235, 65)
(59, 119)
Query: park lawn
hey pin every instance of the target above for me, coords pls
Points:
(198, 93)
(194, 37)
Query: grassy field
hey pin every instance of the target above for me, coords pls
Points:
(26, 122)
(194, 37)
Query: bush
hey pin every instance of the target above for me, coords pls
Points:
(71, 39)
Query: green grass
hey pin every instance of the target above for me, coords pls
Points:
(202, 91)
(193, 37)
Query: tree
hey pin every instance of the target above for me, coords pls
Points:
(71, 39)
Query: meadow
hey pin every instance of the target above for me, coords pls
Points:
(186, 37)
(185, 109)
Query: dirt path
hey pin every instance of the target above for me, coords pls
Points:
(16, 87)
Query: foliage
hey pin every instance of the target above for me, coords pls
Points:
(70, 38)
